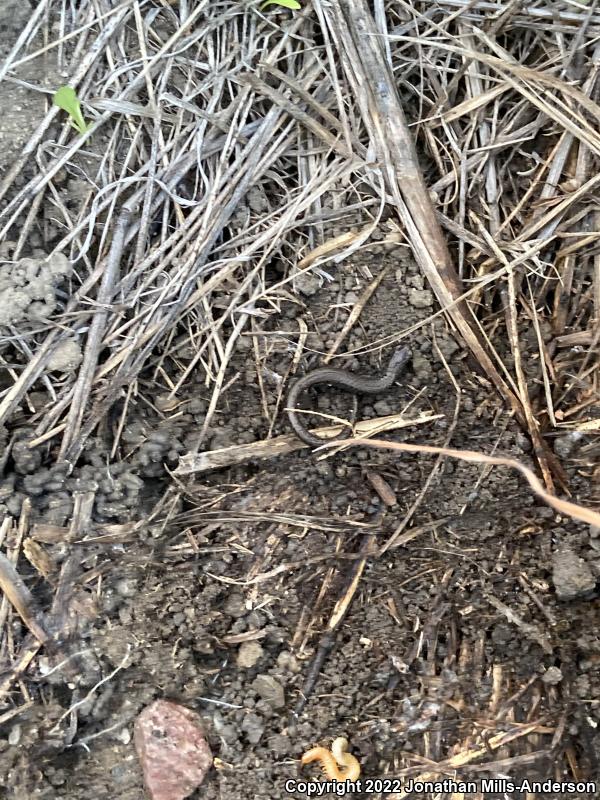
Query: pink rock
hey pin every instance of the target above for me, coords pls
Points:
(172, 750)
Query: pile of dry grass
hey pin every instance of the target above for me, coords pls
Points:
(196, 104)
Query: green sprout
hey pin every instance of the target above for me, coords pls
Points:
(66, 98)
(285, 3)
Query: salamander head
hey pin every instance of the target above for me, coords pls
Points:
(402, 356)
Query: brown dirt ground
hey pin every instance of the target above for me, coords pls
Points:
(425, 658)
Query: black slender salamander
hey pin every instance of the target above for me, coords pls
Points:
(342, 379)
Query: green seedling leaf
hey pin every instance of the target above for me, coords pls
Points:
(294, 4)
(66, 98)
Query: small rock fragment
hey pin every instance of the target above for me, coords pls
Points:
(14, 736)
(270, 690)
(564, 445)
(421, 365)
(235, 606)
(448, 346)
(307, 283)
(288, 661)
(66, 358)
(281, 745)
(552, 676)
(253, 727)
(27, 288)
(571, 575)
(123, 736)
(248, 654)
(172, 749)
(420, 298)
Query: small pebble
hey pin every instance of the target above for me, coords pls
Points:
(571, 575)
(552, 676)
(248, 654)
(420, 298)
(270, 690)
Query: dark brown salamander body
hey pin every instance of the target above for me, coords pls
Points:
(342, 379)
